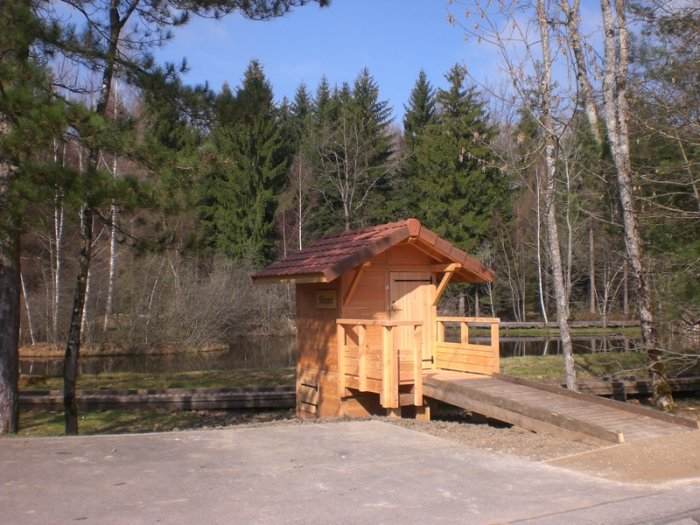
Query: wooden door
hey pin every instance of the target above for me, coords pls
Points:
(410, 299)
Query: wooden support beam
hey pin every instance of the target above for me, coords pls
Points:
(355, 281)
(464, 333)
(418, 365)
(445, 280)
(390, 372)
(423, 412)
(341, 361)
(393, 413)
(495, 348)
(362, 361)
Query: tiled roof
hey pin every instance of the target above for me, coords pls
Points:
(328, 258)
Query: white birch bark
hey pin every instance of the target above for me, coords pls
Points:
(550, 200)
(591, 269)
(28, 308)
(616, 113)
(575, 42)
(540, 276)
(57, 270)
(114, 217)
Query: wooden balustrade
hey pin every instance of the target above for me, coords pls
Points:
(464, 356)
(370, 360)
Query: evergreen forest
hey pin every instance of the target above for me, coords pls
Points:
(134, 207)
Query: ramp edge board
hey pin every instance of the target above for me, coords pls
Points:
(525, 415)
(619, 405)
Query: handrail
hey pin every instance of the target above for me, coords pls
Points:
(376, 322)
(390, 359)
(465, 356)
(473, 320)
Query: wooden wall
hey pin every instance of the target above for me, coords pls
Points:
(317, 361)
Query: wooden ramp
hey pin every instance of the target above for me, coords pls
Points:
(546, 408)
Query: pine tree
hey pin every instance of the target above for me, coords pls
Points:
(351, 149)
(459, 186)
(420, 111)
(246, 173)
(30, 118)
(419, 114)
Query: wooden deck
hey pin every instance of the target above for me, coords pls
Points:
(546, 408)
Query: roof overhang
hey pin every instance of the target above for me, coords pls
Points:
(330, 257)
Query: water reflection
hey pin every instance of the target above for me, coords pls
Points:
(243, 353)
(279, 352)
(522, 346)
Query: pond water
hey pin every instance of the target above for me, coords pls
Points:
(523, 346)
(279, 352)
(243, 353)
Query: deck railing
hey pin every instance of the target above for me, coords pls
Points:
(464, 356)
(369, 360)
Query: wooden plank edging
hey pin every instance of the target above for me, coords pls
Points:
(635, 409)
(176, 398)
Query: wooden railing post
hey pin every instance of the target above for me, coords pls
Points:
(440, 333)
(495, 347)
(390, 379)
(362, 358)
(464, 333)
(341, 361)
(418, 366)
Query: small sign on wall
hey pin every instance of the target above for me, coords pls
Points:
(326, 300)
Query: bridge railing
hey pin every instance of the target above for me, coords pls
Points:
(464, 356)
(370, 360)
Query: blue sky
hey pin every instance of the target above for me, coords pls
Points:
(393, 38)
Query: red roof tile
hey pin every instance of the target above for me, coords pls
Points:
(328, 258)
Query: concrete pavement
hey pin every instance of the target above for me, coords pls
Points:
(341, 473)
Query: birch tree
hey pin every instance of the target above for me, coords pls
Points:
(527, 53)
(615, 111)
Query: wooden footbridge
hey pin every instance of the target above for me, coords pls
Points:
(394, 369)
(552, 409)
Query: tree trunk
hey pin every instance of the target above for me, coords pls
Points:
(84, 328)
(70, 360)
(625, 292)
(58, 263)
(591, 269)
(550, 202)
(540, 278)
(27, 306)
(573, 22)
(616, 112)
(9, 300)
(109, 306)
(9, 322)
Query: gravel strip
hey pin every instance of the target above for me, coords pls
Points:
(456, 426)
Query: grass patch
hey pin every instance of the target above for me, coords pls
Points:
(40, 423)
(545, 368)
(159, 381)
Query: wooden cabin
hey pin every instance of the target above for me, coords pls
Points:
(367, 324)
